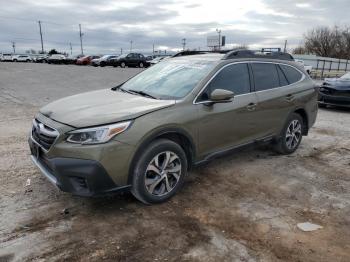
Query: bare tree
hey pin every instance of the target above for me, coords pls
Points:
(300, 50)
(328, 42)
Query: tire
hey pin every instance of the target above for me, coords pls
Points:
(14, 60)
(150, 184)
(102, 64)
(141, 65)
(291, 135)
(122, 64)
(27, 60)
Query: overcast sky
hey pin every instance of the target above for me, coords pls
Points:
(109, 25)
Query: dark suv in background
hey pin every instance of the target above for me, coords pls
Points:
(131, 60)
(146, 133)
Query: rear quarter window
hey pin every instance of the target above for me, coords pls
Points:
(291, 74)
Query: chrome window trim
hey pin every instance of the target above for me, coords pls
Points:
(194, 102)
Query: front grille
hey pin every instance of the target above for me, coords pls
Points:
(44, 135)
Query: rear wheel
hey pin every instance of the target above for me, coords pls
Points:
(291, 135)
(159, 172)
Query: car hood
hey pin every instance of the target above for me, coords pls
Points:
(337, 83)
(101, 107)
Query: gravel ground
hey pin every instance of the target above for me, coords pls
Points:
(241, 207)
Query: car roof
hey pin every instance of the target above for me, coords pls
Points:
(221, 58)
(200, 57)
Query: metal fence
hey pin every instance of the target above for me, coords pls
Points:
(323, 67)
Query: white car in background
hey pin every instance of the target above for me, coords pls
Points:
(6, 57)
(22, 58)
(308, 68)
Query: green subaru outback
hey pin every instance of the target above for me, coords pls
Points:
(145, 134)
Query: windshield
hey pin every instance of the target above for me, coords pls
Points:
(171, 79)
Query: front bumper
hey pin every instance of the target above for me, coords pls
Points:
(78, 176)
(336, 100)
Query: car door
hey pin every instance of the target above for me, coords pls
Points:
(275, 97)
(222, 126)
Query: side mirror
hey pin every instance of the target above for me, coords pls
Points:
(221, 96)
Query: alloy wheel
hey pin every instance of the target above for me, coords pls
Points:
(293, 134)
(163, 173)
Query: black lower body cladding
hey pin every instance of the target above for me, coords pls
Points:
(77, 176)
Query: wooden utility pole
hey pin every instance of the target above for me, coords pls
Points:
(81, 40)
(41, 37)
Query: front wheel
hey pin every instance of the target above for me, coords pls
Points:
(122, 65)
(291, 135)
(159, 172)
(141, 65)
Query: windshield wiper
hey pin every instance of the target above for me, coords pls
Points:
(122, 89)
(143, 93)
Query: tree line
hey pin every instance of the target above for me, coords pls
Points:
(326, 41)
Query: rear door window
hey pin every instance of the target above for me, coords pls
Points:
(265, 76)
(291, 74)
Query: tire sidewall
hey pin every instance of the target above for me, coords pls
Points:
(291, 118)
(139, 172)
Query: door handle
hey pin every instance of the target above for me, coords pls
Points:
(251, 106)
(290, 98)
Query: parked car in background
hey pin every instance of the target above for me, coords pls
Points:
(6, 57)
(145, 134)
(102, 61)
(22, 58)
(41, 59)
(56, 59)
(335, 91)
(71, 59)
(86, 60)
(131, 59)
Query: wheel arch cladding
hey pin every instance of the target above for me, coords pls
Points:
(176, 135)
(304, 116)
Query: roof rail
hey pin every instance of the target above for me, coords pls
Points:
(188, 52)
(258, 54)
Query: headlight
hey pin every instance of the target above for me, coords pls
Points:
(97, 135)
